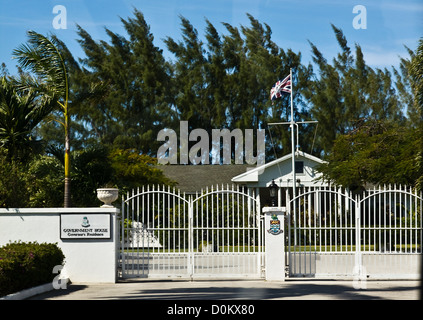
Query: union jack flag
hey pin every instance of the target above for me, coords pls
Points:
(280, 87)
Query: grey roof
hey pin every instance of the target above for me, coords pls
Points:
(192, 178)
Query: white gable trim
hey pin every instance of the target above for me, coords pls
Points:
(253, 174)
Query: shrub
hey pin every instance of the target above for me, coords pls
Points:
(25, 265)
(13, 191)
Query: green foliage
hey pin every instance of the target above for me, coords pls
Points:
(40, 182)
(378, 152)
(128, 82)
(90, 170)
(44, 182)
(130, 170)
(124, 91)
(42, 56)
(416, 74)
(225, 82)
(20, 113)
(362, 127)
(13, 193)
(25, 265)
(348, 91)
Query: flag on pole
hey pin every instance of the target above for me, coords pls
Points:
(280, 87)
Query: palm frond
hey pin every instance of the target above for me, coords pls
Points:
(20, 113)
(41, 56)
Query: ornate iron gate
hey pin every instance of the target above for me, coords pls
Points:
(377, 233)
(214, 233)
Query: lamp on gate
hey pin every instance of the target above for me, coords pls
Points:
(273, 190)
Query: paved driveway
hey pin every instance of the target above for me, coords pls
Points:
(239, 290)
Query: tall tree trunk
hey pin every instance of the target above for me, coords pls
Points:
(67, 160)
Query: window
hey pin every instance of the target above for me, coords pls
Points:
(299, 166)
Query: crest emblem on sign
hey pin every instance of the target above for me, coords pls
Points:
(85, 223)
(275, 225)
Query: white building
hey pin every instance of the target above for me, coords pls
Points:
(192, 178)
(280, 170)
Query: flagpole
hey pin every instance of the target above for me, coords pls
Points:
(294, 179)
(274, 94)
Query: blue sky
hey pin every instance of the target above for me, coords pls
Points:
(390, 24)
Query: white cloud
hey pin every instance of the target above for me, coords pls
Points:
(382, 59)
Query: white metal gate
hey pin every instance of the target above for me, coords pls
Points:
(213, 233)
(376, 234)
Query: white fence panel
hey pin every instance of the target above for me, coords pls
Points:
(214, 233)
(333, 233)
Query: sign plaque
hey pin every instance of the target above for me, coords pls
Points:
(85, 226)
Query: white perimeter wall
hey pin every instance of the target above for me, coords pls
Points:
(86, 260)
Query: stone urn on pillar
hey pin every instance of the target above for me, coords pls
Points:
(107, 196)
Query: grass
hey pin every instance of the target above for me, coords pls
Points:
(234, 249)
(299, 248)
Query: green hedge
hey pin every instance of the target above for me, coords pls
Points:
(25, 265)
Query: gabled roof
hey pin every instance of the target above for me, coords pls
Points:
(253, 174)
(192, 178)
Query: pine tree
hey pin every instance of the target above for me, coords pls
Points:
(348, 91)
(225, 82)
(416, 75)
(132, 93)
(381, 146)
(189, 81)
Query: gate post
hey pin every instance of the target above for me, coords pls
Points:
(190, 238)
(275, 243)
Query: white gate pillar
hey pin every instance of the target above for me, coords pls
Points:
(275, 243)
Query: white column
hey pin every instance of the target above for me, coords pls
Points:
(275, 243)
